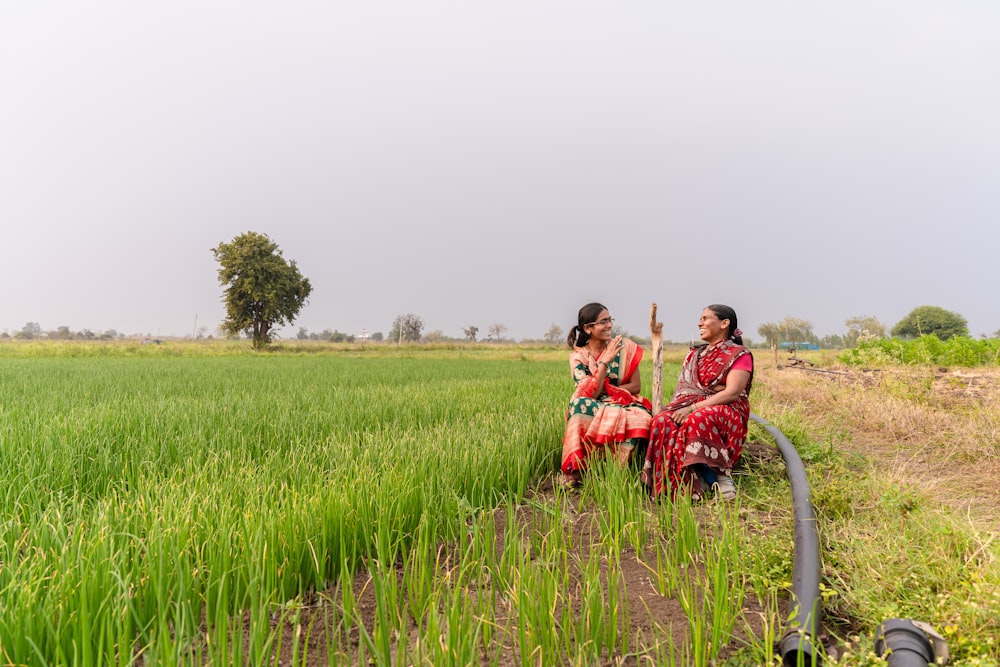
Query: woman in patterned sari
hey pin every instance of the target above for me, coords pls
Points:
(606, 415)
(696, 439)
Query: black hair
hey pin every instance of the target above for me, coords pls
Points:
(587, 315)
(724, 312)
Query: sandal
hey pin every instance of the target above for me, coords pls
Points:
(724, 487)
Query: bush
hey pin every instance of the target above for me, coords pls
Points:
(925, 320)
(928, 349)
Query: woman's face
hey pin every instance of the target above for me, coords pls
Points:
(601, 327)
(711, 328)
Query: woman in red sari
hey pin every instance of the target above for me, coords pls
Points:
(696, 439)
(606, 414)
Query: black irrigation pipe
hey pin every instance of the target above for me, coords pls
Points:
(796, 646)
(901, 642)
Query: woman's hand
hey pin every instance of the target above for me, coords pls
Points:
(736, 382)
(611, 351)
(607, 356)
(680, 414)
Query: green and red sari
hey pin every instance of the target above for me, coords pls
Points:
(612, 424)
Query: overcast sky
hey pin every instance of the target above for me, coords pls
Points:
(501, 162)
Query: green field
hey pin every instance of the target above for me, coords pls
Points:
(141, 492)
(186, 504)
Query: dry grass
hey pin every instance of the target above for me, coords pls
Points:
(934, 429)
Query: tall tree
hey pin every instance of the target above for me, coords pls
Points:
(29, 331)
(496, 332)
(832, 341)
(790, 329)
(554, 334)
(863, 325)
(262, 290)
(769, 332)
(797, 330)
(471, 332)
(931, 320)
(406, 328)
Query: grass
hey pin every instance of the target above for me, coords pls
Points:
(905, 530)
(961, 351)
(142, 493)
(175, 506)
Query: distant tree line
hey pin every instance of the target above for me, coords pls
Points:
(33, 330)
(921, 321)
(264, 291)
(333, 336)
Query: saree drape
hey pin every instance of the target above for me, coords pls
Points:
(612, 424)
(712, 435)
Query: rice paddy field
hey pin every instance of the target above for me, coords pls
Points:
(192, 504)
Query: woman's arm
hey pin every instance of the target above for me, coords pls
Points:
(736, 382)
(607, 356)
(634, 385)
(602, 374)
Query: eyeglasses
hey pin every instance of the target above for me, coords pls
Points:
(602, 323)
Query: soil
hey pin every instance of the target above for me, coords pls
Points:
(648, 609)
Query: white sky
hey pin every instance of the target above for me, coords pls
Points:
(505, 162)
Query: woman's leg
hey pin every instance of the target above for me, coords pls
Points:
(714, 443)
(623, 452)
(706, 473)
(579, 418)
(655, 471)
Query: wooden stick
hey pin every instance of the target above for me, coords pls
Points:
(656, 329)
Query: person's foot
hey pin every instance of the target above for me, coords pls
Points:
(699, 491)
(623, 454)
(568, 482)
(646, 477)
(724, 487)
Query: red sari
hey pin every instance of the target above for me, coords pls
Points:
(615, 421)
(712, 435)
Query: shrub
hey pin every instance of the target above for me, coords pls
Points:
(927, 350)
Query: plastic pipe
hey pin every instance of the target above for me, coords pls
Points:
(796, 644)
(905, 643)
